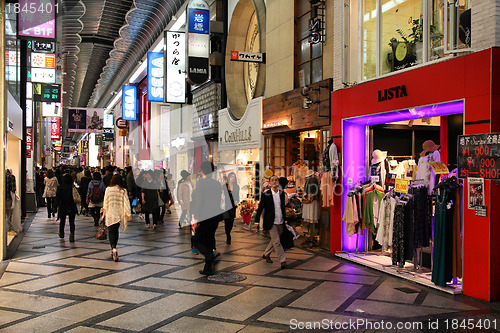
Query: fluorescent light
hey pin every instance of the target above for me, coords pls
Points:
(138, 71)
(115, 100)
(179, 23)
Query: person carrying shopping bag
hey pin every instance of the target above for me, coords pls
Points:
(116, 211)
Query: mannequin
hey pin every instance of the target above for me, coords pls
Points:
(429, 153)
(377, 167)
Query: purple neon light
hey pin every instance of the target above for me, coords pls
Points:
(354, 148)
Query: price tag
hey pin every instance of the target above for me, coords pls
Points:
(401, 185)
(439, 168)
(375, 179)
(412, 162)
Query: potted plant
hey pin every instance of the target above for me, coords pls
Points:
(246, 210)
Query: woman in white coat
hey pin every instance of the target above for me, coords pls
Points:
(116, 211)
(51, 185)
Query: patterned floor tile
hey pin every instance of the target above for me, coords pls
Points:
(387, 292)
(311, 275)
(163, 260)
(154, 312)
(328, 296)
(254, 300)
(40, 324)
(390, 310)
(198, 325)
(291, 317)
(93, 263)
(319, 264)
(130, 275)
(27, 302)
(211, 289)
(83, 310)
(105, 293)
(11, 278)
(283, 283)
(10, 316)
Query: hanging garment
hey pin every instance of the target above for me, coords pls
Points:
(398, 240)
(350, 216)
(425, 172)
(439, 272)
(372, 199)
(327, 185)
(334, 161)
(386, 222)
(457, 234)
(409, 225)
(377, 173)
(410, 169)
(421, 234)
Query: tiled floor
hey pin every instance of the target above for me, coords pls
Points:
(52, 285)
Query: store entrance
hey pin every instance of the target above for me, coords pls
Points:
(399, 226)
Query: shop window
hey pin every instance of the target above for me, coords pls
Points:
(309, 59)
(267, 154)
(325, 136)
(279, 156)
(389, 35)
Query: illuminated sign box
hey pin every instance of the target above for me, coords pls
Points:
(129, 102)
(43, 75)
(175, 89)
(155, 76)
(43, 60)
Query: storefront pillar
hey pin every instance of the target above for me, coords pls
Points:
(3, 140)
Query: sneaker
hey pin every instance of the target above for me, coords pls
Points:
(71, 237)
(194, 251)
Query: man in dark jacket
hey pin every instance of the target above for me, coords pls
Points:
(109, 174)
(273, 202)
(207, 212)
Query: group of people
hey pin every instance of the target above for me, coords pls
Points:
(112, 194)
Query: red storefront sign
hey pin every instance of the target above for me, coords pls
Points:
(55, 128)
(29, 141)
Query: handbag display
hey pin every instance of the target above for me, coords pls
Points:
(76, 196)
(101, 231)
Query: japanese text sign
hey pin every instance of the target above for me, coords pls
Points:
(36, 18)
(175, 67)
(479, 156)
(55, 128)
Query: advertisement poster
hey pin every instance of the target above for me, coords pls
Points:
(85, 120)
(95, 120)
(476, 192)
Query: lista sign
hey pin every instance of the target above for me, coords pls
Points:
(129, 102)
(479, 156)
(155, 76)
(390, 93)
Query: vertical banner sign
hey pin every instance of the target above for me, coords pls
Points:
(129, 102)
(29, 141)
(108, 121)
(198, 41)
(55, 128)
(155, 76)
(175, 86)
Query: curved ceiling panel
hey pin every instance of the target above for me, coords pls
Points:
(144, 23)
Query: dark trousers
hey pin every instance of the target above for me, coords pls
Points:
(62, 222)
(96, 213)
(83, 205)
(163, 209)
(40, 200)
(50, 206)
(113, 235)
(204, 241)
(155, 213)
(228, 225)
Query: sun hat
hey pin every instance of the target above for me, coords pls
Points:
(429, 145)
(378, 156)
(309, 173)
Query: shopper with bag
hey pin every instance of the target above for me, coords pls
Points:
(231, 192)
(273, 203)
(51, 185)
(116, 211)
(66, 206)
(95, 196)
(206, 214)
(150, 199)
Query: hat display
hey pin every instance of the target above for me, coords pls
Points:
(378, 156)
(185, 174)
(429, 145)
(309, 173)
(268, 173)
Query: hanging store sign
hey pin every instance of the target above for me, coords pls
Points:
(175, 86)
(43, 60)
(29, 112)
(50, 93)
(206, 121)
(198, 42)
(85, 146)
(55, 128)
(479, 156)
(129, 102)
(98, 139)
(43, 75)
(108, 121)
(248, 57)
(243, 133)
(155, 76)
(37, 18)
(121, 123)
(45, 47)
(29, 141)
(316, 23)
(108, 134)
(51, 110)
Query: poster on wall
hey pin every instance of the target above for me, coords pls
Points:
(476, 192)
(85, 120)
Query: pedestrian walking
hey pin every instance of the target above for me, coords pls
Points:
(184, 195)
(206, 212)
(164, 194)
(150, 196)
(95, 196)
(51, 184)
(83, 189)
(66, 206)
(273, 203)
(131, 185)
(116, 211)
(231, 191)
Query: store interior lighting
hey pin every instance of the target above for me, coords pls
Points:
(354, 147)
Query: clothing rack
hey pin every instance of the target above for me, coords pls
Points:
(393, 157)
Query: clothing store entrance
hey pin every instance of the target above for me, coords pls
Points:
(393, 141)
